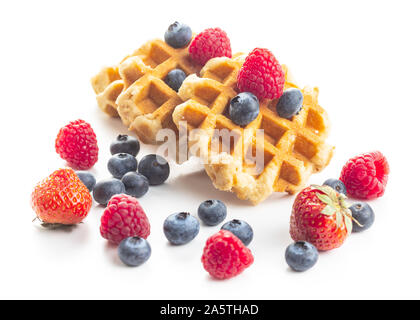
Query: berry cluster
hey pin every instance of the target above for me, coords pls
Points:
(124, 221)
(321, 217)
(235, 236)
(130, 177)
(260, 77)
(64, 197)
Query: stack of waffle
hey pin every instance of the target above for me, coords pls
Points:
(292, 149)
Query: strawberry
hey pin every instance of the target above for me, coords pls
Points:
(61, 199)
(321, 216)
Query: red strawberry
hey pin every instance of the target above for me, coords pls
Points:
(61, 199)
(320, 216)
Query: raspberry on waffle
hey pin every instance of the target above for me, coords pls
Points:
(293, 149)
(147, 103)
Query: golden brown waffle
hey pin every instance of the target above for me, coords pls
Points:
(150, 99)
(293, 149)
(147, 102)
(108, 85)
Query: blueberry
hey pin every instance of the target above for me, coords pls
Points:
(175, 78)
(87, 178)
(244, 108)
(337, 185)
(241, 229)
(178, 35)
(301, 256)
(134, 251)
(154, 168)
(125, 144)
(181, 228)
(212, 212)
(135, 184)
(105, 189)
(290, 103)
(121, 163)
(363, 214)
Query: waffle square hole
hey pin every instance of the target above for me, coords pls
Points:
(151, 98)
(225, 139)
(194, 118)
(132, 73)
(256, 159)
(206, 95)
(157, 56)
(304, 147)
(116, 91)
(314, 121)
(104, 78)
(221, 73)
(112, 75)
(289, 173)
(273, 132)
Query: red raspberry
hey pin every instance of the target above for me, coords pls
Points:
(210, 43)
(262, 75)
(76, 143)
(123, 218)
(365, 176)
(225, 256)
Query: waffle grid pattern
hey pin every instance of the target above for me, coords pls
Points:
(293, 149)
(136, 92)
(147, 103)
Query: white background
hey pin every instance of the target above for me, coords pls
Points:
(364, 56)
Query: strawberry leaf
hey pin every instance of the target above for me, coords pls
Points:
(330, 192)
(343, 203)
(339, 219)
(325, 199)
(349, 224)
(329, 211)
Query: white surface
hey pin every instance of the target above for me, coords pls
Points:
(364, 57)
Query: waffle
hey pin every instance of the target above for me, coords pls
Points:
(147, 102)
(293, 149)
(108, 85)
